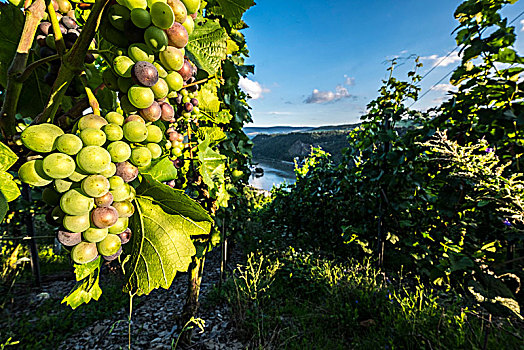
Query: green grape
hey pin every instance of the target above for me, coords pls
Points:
(74, 202)
(160, 89)
(162, 15)
(113, 132)
(76, 223)
(50, 196)
(172, 58)
(93, 159)
(141, 18)
(118, 15)
(155, 149)
(155, 38)
(162, 73)
(122, 66)
(69, 144)
(116, 182)
(135, 131)
(141, 156)
(115, 118)
(192, 6)
(84, 252)
(91, 121)
(125, 209)
(134, 4)
(41, 138)
(93, 137)
(174, 81)
(110, 171)
(179, 10)
(119, 151)
(62, 185)
(94, 234)
(78, 175)
(121, 193)
(95, 185)
(119, 226)
(110, 245)
(141, 52)
(140, 96)
(154, 134)
(189, 24)
(58, 165)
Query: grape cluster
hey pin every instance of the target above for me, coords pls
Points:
(87, 175)
(45, 39)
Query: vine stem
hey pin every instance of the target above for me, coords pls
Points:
(33, 66)
(93, 102)
(196, 83)
(33, 16)
(131, 295)
(72, 63)
(59, 38)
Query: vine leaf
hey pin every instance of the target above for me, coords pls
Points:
(212, 164)
(161, 241)
(232, 9)
(214, 134)
(162, 170)
(11, 26)
(8, 188)
(207, 46)
(208, 99)
(7, 157)
(87, 287)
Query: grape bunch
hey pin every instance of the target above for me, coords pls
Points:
(45, 39)
(86, 175)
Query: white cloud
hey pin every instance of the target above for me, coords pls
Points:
(328, 96)
(522, 23)
(252, 88)
(349, 81)
(280, 113)
(444, 87)
(443, 61)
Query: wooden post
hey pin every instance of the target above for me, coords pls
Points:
(190, 308)
(29, 218)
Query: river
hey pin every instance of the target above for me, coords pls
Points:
(275, 173)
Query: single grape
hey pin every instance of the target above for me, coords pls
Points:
(126, 105)
(76, 223)
(110, 245)
(175, 81)
(123, 65)
(109, 171)
(141, 156)
(58, 165)
(140, 97)
(154, 134)
(115, 118)
(162, 73)
(168, 112)
(95, 185)
(179, 10)
(186, 71)
(155, 149)
(125, 208)
(119, 151)
(104, 217)
(69, 22)
(126, 171)
(84, 252)
(119, 226)
(192, 6)
(91, 121)
(78, 175)
(50, 196)
(140, 52)
(160, 89)
(162, 15)
(74, 202)
(113, 132)
(125, 236)
(189, 24)
(135, 131)
(93, 137)
(144, 73)
(116, 182)
(155, 38)
(172, 58)
(95, 234)
(41, 138)
(93, 159)
(122, 193)
(177, 35)
(135, 118)
(104, 201)
(152, 113)
(114, 256)
(63, 185)
(69, 239)
(118, 15)
(141, 18)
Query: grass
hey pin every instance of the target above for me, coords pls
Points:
(294, 300)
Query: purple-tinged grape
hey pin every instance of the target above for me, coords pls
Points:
(152, 113)
(114, 256)
(171, 183)
(188, 107)
(177, 35)
(168, 112)
(105, 201)
(194, 102)
(72, 35)
(144, 73)
(126, 171)
(104, 217)
(178, 163)
(125, 236)
(44, 28)
(69, 239)
(186, 71)
(69, 22)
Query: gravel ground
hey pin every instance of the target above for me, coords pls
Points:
(153, 319)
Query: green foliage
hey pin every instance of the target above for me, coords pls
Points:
(207, 46)
(87, 287)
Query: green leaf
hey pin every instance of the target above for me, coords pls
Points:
(212, 165)
(207, 97)
(214, 134)
(11, 26)
(232, 10)
(86, 289)
(175, 202)
(161, 246)
(84, 270)
(4, 206)
(162, 170)
(8, 187)
(207, 46)
(7, 157)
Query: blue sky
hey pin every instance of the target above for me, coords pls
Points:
(321, 62)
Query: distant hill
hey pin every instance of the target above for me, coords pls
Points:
(298, 144)
(252, 131)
